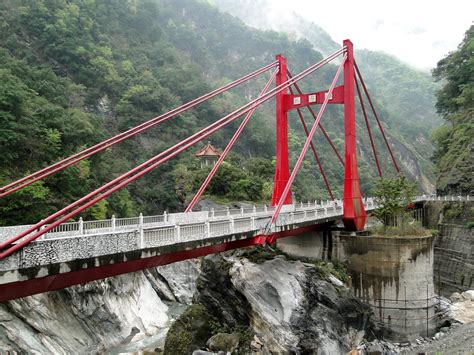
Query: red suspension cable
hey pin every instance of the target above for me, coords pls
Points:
(226, 151)
(306, 145)
(43, 173)
(305, 127)
(149, 165)
(320, 125)
(376, 117)
(368, 126)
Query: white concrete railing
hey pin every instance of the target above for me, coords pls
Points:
(241, 219)
(200, 225)
(443, 198)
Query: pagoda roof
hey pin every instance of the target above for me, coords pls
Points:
(208, 150)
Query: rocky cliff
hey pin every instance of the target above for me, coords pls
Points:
(289, 305)
(99, 315)
(454, 245)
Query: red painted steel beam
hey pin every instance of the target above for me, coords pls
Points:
(368, 127)
(292, 102)
(14, 290)
(316, 157)
(310, 109)
(354, 211)
(282, 169)
(226, 151)
(376, 117)
(73, 159)
(307, 143)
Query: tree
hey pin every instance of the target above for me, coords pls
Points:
(453, 155)
(393, 197)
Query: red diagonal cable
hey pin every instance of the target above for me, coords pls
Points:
(226, 151)
(43, 173)
(376, 116)
(145, 167)
(306, 144)
(300, 115)
(320, 125)
(368, 127)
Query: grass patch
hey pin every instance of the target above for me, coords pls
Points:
(259, 254)
(413, 229)
(334, 267)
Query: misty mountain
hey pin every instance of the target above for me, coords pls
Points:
(76, 72)
(405, 95)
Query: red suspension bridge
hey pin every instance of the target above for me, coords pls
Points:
(55, 253)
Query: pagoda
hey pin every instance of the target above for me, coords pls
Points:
(208, 155)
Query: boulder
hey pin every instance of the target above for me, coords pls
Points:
(189, 332)
(223, 342)
(468, 295)
(456, 297)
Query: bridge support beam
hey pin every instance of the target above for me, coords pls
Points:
(282, 170)
(354, 212)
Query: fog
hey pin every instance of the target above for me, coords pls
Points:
(418, 32)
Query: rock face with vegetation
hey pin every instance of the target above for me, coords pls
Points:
(288, 304)
(454, 155)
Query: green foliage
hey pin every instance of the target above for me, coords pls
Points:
(392, 196)
(333, 267)
(189, 332)
(75, 73)
(411, 228)
(454, 156)
(29, 203)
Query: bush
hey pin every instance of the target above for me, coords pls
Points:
(393, 197)
(190, 331)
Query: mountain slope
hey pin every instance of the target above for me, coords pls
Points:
(76, 72)
(454, 155)
(404, 96)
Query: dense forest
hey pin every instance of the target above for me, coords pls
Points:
(73, 73)
(454, 155)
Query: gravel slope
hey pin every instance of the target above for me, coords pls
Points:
(459, 340)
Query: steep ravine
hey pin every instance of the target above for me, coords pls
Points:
(99, 315)
(288, 305)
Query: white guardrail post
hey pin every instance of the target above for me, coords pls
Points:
(165, 216)
(140, 231)
(208, 229)
(177, 228)
(81, 226)
(113, 222)
(232, 225)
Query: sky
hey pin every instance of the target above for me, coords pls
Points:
(419, 32)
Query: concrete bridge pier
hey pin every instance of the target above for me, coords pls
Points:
(317, 245)
(394, 275)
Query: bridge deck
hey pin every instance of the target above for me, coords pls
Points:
(86, 251)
